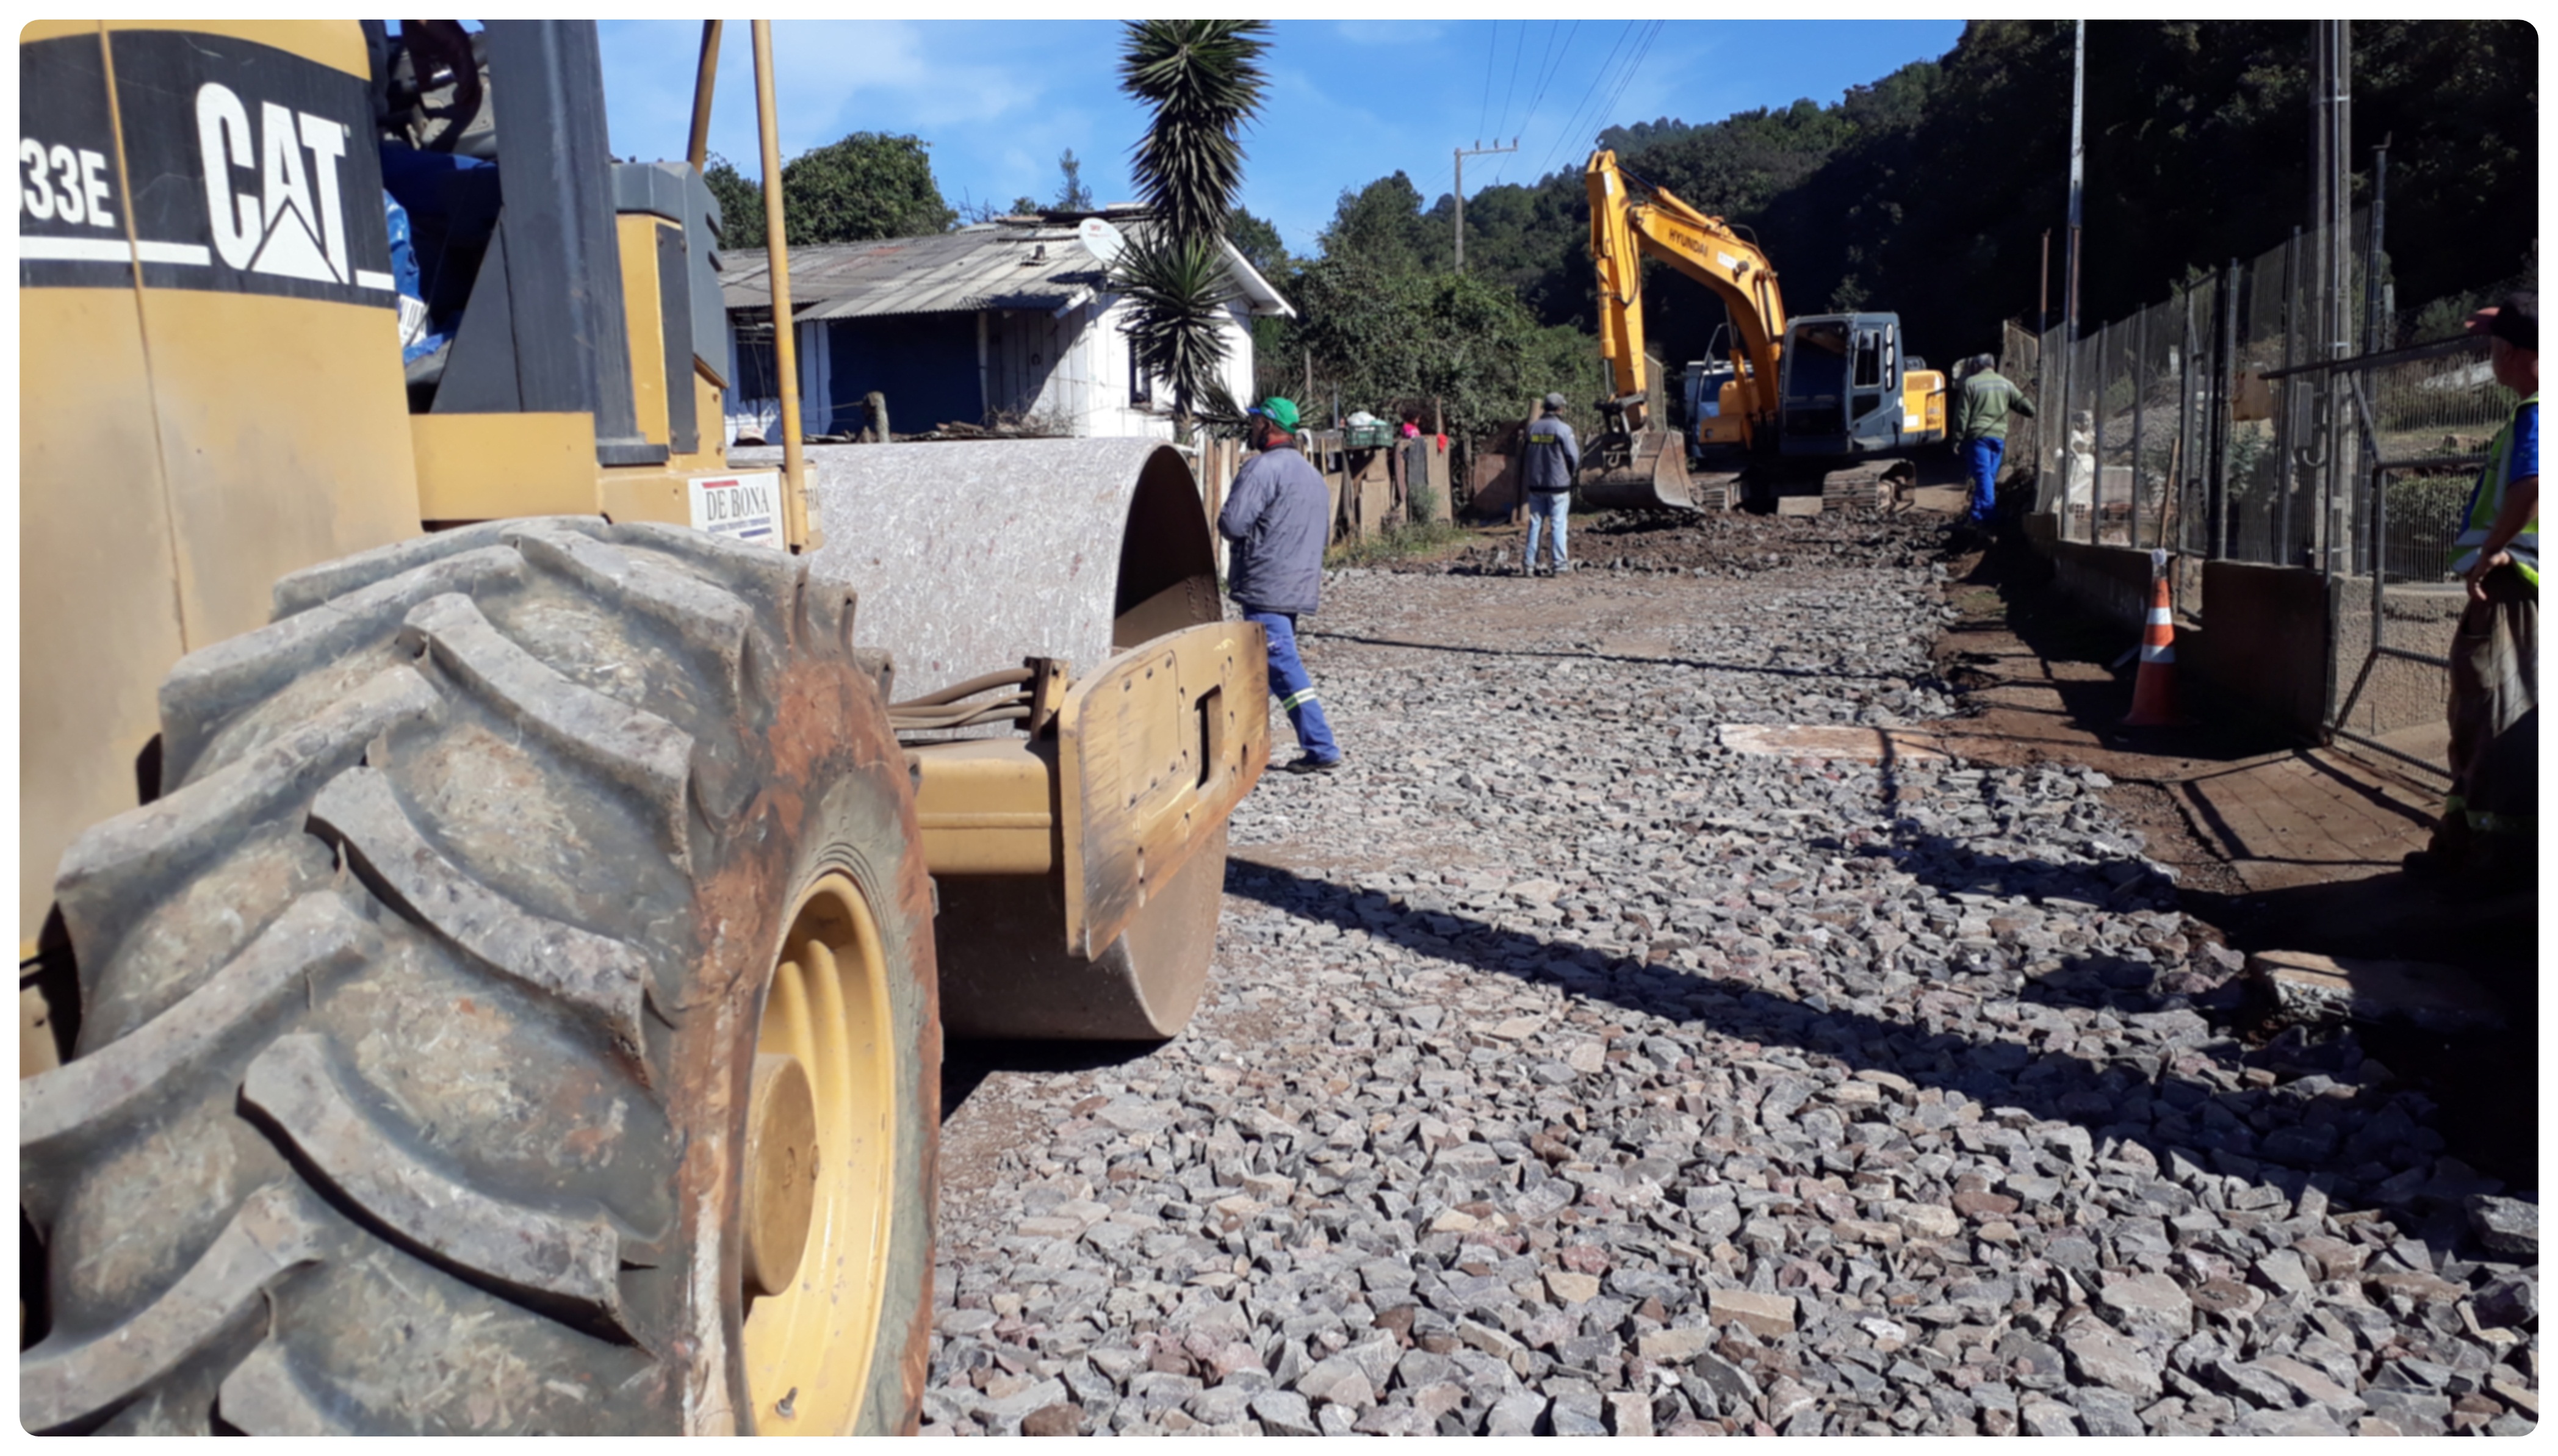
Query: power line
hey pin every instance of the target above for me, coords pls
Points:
(1547, 65)
(1643, 50)
(1518, 48)
(1571, 126)
(1572, 119)
(1491, 50)
(1553, 64)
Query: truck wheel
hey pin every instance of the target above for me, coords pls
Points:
(517, 1014)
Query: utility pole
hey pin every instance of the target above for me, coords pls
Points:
(2043, 300)
(2069, 305)
(1478, 150)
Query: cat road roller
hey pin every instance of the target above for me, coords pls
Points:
(495, 873)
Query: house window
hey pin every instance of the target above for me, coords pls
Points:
(1141, 389)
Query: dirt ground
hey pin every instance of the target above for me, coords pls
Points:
(2275, 845)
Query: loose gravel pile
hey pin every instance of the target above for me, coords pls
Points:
(1566, 1073)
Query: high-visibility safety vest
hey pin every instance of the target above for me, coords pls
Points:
(2487, 501)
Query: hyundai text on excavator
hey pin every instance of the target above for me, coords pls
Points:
(496, 980)
(1829, 397)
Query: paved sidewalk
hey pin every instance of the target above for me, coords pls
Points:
(2312, 816)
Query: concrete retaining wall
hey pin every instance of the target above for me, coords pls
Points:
(2264, 642)
(2260, 634)
(2111, 582)
(2257, 635)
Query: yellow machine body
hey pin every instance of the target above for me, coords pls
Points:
(193, 431)
(215, 398)
(180, 446)
(1757, 408)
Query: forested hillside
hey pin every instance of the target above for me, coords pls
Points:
(1928, 191)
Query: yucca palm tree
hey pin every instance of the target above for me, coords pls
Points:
(1203, 80)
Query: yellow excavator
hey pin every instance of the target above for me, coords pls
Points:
(1833, 399)
(494, 877)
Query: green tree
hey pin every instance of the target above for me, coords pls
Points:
(1203, 78)
(1382, 223)
(1259, 243)
(1071, 195)
(868, 185)
(1382, 336)
(741, 201)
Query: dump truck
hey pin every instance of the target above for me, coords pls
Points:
(1831, 401)
(495, 878)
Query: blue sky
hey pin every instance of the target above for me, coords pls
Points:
(1348, 100)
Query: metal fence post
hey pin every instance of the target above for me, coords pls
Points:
(2185, 444)
(2140, 419)
(2068, 456)
(2223, 370)
(2280, 548)
(2096, 445)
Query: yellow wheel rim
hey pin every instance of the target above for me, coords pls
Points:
(809, 1347)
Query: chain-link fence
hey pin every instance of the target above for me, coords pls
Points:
(2191, 425)
(2285, 411)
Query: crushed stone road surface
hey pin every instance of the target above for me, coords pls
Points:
(1567, 1073)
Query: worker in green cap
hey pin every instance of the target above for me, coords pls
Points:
(1277, 520)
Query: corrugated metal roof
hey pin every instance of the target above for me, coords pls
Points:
(999, 265)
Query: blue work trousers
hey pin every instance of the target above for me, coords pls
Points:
(1545, 507)
(1294, 690)
(1985, 454)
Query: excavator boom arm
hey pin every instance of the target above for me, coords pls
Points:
(1623, 227)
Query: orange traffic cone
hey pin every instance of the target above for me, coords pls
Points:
(2154, 690)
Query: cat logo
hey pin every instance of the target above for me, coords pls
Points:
(253, 170)
(294, 224)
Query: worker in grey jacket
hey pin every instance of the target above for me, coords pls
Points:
(1552, 458)
(1278, 519)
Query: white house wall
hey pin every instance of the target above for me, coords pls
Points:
(1071, 366)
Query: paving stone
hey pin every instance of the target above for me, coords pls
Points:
(1571, 1288)
(2050, 1418)
(2314, 1386)
(1065, 1418)
(1577, 1415)
(1516, 1415)
(2106, 1412)
(1006, 1413)
(2506, 1224)
(1581, 1031)
(2149, 1302)
(1629, 1414)
(1672, 1347)
(2098, 1355)
(1284, 1413)
(1769, 1316)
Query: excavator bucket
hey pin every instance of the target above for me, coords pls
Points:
(1653, 475)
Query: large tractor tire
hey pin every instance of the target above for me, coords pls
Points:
(517, 1014)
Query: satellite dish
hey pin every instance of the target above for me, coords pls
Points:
(1101, 239)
